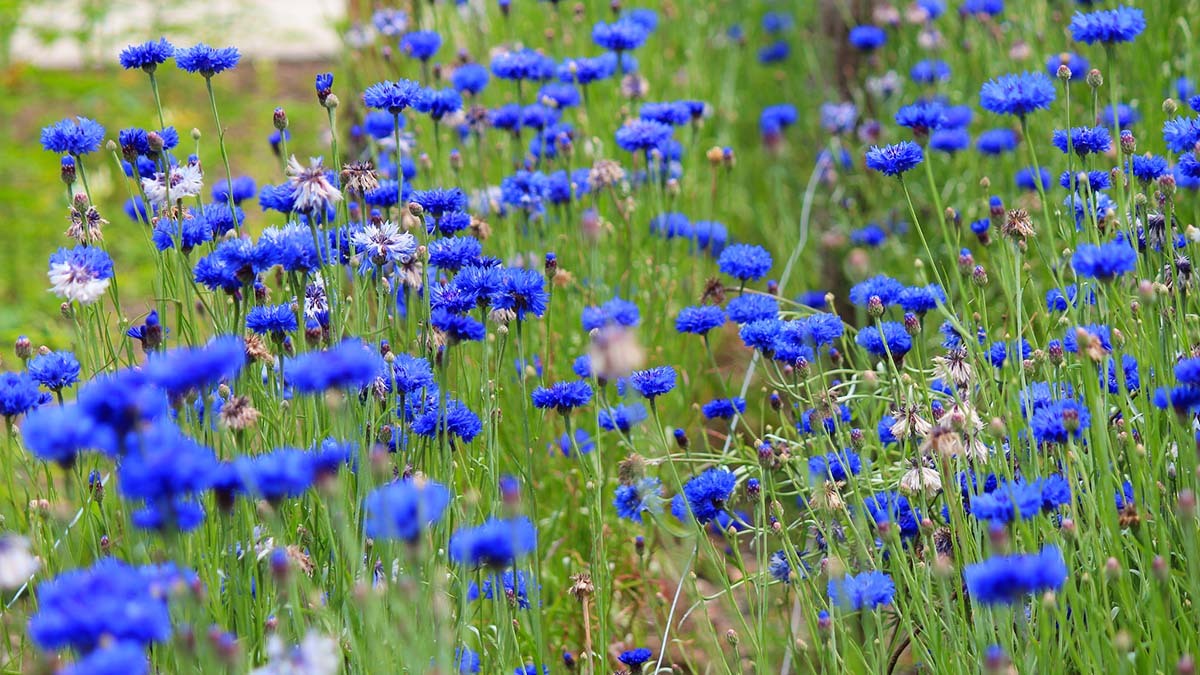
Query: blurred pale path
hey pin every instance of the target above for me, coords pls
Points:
(74, 33)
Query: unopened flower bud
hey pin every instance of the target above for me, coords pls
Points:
(1170, 107)
(331, 101)
(1064, 72)
(1095, 79)
(280, 119)
(979, 276)
(23, 347)
(1128, 142)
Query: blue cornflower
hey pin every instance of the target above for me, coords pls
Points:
(724, 408)
(281, 198)
(823, 328)
(273, 320)
(438, 103)
(584, 71)
(867, 38)
(761, 335)
(454, 253)
(1123, 116)
(112, 599)
(775, 52)
(981, 7)
(118, 658)
(525, 190)
(1104, 262)
(866, 590)
(196, 231)
(561, 94)
(746, 262)
(147, 56)
(1057, 421)
(893, 508)
(881, 286)
(54, 371)
(1017, 94)
(922, 116)
(469, 78)
(1008, 502)
(466, 661)
(621, 417)
(634, 499)
(921, 299)
(1008, 579)
(751, 308)
(421, 44)
(837, 466)
(642, 135)
(458, 420)
(622, 35)
(511, 585)
(1096, 180)
(78, 136)
(524, 64)
(410, 373)
(775, 118)
(323, 83)
(57, 433)
(1181, 133)
(438, 201)
(1082, 140)
(167, 468)
(18, 394)
(929, 71)
(1027, 179)
(391, 96)
(243, 188)
(278, 474)
(522, 291)
(495, 543)
(894, 160)
(563, 396)
(653, 382)
(1075, 63)
(616, 311)
(207, 61)
(871, 235)
(635, 658)
(403, 509)
(699, 320)
(1148, 168)
(350, 363)
(675, 113)
(1108, 26)
(1187, 371)
(707, 493)
(183, 369)
(996, 141)
(950, 141)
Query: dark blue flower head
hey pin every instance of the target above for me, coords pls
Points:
(496, 543)
(653, 382)
(867, 38)
(746, 262)
(622, 35)
(699, 320)
(881, 286)
(1104, 262)
(866, 590)
(391, 96)
(642, 135)
(753, 307)
(421, 44)
(929, 71)
(1008, 579)
(708, 492)
(469, 78)
(1108, 26)
(206, 60)
(1083, 140)
(54, 371)
(349, 364)
(922, 116)
(563, 396)
(183, 369)
(1028, 179)
(524, 64)
(885, 338)
(438, 103)
(18, 394)
(78, 136)
(921, 299)
(274, 320)
(147, 56)
(403, 509)
(1017, 94)
(894, 160)
(1076, 64)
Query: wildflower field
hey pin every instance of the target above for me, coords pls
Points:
(682, 337)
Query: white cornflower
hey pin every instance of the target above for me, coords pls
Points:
(311, 187)
(17, 564)
(186, 181)
(383, 242)
(316, 655)
(81, 274)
